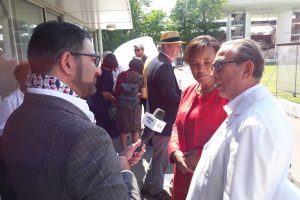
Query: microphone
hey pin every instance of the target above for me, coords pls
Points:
(153, 123)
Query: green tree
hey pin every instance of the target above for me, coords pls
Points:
(154, 23)
(144, 24)
(197, 17)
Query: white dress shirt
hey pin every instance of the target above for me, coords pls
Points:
(8, 105)
(249, 156)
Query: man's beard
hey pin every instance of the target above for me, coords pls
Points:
(86, 88)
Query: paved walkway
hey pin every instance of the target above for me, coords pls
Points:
(140, 169)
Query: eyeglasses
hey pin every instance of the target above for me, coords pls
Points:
(219, 64)
(96, 56)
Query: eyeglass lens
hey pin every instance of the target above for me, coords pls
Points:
(217, 66)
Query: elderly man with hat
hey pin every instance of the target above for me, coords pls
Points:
(164, 93)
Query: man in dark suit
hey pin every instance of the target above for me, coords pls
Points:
(164, 93)
(50, 146)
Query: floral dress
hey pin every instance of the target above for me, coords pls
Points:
(129, 121)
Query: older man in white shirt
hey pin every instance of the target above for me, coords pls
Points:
(15, 99)
(249, 156)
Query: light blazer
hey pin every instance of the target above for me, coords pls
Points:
(53, 151)
(163, 90)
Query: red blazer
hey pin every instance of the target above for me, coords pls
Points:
(192, 131)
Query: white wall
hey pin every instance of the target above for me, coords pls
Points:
(248, 25)
(284, 27)
(228, 27)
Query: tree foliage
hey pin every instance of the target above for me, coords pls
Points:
(144, 24)
(189, 17)
(154, 23)
(197, 17)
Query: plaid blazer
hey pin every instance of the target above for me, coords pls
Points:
(53, 151)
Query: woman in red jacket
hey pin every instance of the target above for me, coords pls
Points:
(199, 114)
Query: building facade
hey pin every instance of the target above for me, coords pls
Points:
(241, 14)
(18, 18)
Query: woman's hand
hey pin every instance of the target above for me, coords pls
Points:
(109, 96)
(191, 159)
(179, 159)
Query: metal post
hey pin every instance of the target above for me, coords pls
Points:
(295, 92)
(100, 44)
(277, 69)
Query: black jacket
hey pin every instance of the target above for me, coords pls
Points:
(163, 90)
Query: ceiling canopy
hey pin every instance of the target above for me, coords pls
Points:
(97, 14)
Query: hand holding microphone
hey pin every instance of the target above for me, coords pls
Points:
(153, 123)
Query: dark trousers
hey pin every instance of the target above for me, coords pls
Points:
(144, 103)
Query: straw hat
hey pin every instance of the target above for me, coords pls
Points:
(170, 37)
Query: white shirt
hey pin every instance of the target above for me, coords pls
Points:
(249, 156)
(78, 102)
(8, 105)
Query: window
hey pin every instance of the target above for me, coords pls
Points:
(50, 16)
(26, 17)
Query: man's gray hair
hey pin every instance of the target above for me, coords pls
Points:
(248, 49)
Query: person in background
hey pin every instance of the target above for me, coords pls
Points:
(129, 121)
(15, 99)
(249, 155)
(103, 100)
(50, 146)
(199, 114)
(163, 93)
(7, 106)
(7, 79)
(139, 53)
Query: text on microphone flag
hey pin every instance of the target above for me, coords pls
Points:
(153, 123)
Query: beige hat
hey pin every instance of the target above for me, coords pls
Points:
(170, 37)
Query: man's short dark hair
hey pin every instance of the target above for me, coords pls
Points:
(50, 40)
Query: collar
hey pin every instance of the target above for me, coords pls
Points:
(49, 82)
(170, 59)
(246, 99)
(52, 86)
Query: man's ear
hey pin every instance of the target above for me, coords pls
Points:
(66, 63)
(248, 69)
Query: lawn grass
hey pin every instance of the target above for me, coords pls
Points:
(269, 80)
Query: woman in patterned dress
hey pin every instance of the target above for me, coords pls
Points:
(129, 121)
